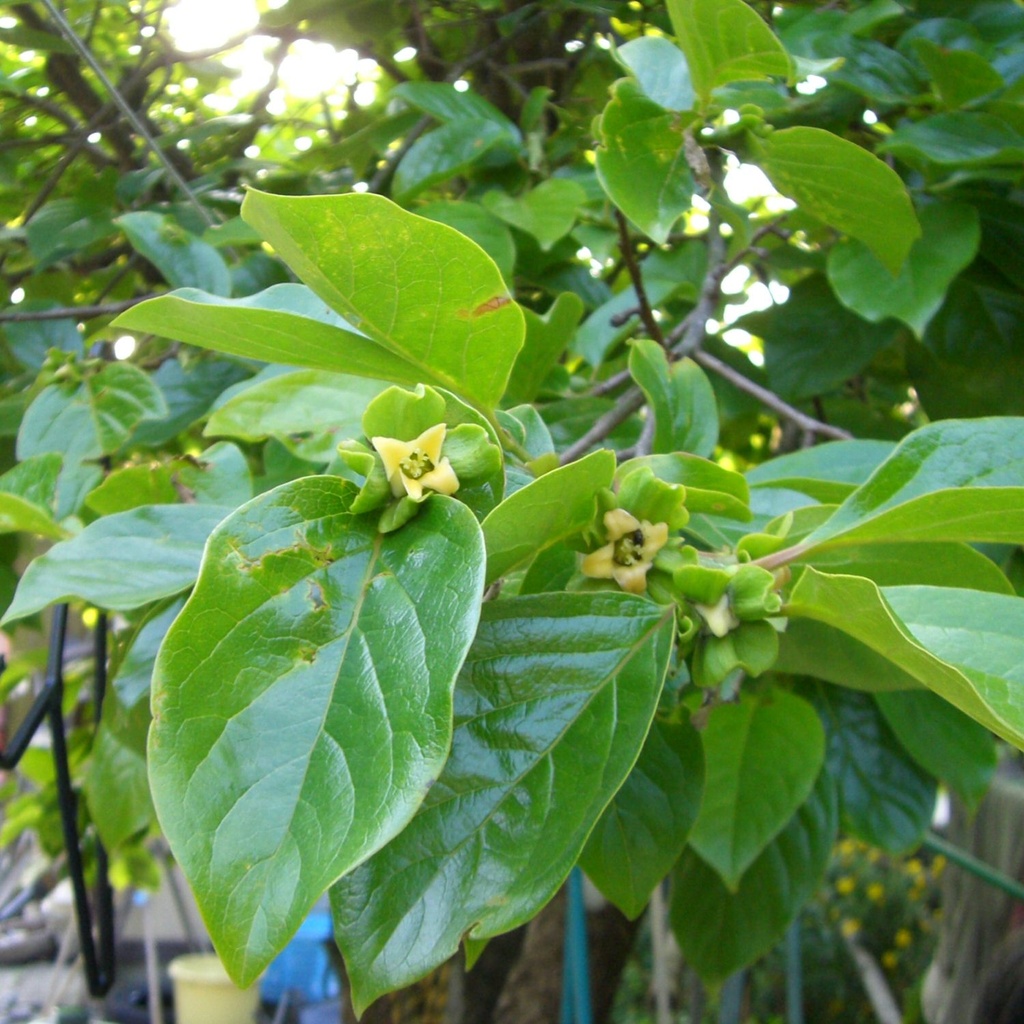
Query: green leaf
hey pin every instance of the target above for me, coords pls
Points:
(120, 562)
(720, 931)
(547, 337)
(884, 797)
(822, 651)
(725, 41)
(942, 740)
(660, 68)
(981, 635)
(761, 758)
(551, 710)
(644, 829)
(443, 101)
(302, 701)
(420, 289)
(680, 397)
(935, 564)
(952, 480)
(547, 212)
(473, 221)
(827, 472)
(286, 323)
(118, 766)
(327, 405)
(184, 260)
(948, 243)
(964, 645)
(443, 153)
(132, 486)
(812, 343)
(542, 513)
(963, 139)
(94, 418)
(29, 342)
(217, 476)
(27, 492)
(959, 76)
(641, 162)
(845, 186)
(710, 489)
(189, 390)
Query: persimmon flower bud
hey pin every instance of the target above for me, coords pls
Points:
(630, 550)
(413, 467)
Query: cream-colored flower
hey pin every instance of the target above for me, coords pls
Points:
(415, 466)
(630, 550)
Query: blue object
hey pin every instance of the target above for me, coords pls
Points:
(303, 966)
(576, 1008)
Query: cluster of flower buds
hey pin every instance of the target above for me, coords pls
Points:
(727, 608)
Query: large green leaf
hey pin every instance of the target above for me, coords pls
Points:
(950, 234)
(885, 798)
(287, 323)
(488, 231)
(302, 701)
(845, 186)
(120, 562)
(418, 288)
(933, 564)
(681, 400)
(328, 405)
(942, 740)
(641, 162)
(721, 931)
(553, 507)
(644, 829)
(551, 711)
(761, 757)
(725, 41)
(952, 480)
(964, 645)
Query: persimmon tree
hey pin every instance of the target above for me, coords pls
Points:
(597, 446)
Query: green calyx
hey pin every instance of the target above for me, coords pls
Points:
(650, 498)
(752, 647)
(366, 470)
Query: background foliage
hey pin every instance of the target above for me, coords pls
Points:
(732, 231)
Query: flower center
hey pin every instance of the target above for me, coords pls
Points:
(629, 550)
(416, 464)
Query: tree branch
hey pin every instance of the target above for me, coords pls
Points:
(768, 398)
(628, 404)
(71, 312)
(633, 268)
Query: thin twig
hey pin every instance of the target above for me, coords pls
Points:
(71, 312)
(613, 383)
(122, 104)
(633, 268)
(768, 398)
(622, 410)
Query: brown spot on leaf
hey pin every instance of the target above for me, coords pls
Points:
(485, 307)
